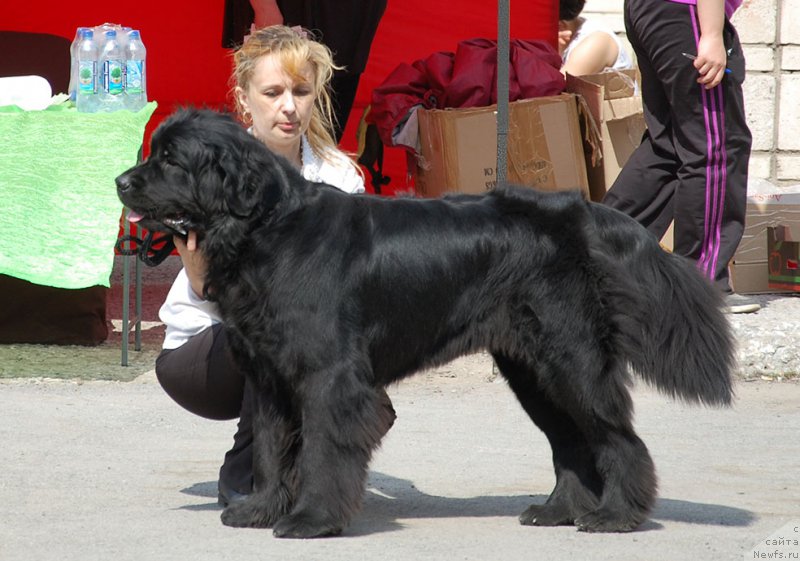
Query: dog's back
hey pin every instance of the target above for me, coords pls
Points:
(447, 272)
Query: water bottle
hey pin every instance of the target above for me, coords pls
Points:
(86, 75)
(135, 72)
(112, 63)
(73, 64)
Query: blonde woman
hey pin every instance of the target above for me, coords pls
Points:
(281, 93)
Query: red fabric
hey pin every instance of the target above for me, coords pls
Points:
(466, 78)
(187, 65)
(413, 29)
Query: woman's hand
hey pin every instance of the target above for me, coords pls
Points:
(194, 262)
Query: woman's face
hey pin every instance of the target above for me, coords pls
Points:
(279, 105)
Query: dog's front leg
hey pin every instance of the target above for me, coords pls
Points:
(275, 444)
(344, 419)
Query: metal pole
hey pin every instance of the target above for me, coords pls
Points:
(126, 296)
(503, 19)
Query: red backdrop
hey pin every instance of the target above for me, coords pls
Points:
(188, 66)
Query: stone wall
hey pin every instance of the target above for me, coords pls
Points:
(770, 34)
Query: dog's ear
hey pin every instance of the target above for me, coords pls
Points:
(222, 245)
(240, 190)
(252, 180)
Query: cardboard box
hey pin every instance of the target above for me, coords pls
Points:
(750, 268)
(617, 114)
(458, 147)
(784, 259)
(750, 278)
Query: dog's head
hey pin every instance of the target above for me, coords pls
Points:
(204, 173)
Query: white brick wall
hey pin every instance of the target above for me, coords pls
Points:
(756, 22)
(789, 112)
(759, 100)
(790, 24)
(770, 34)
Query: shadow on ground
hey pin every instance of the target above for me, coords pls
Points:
(389, 500)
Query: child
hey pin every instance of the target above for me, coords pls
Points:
(587, 47)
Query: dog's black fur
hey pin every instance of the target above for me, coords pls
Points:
(328, 297)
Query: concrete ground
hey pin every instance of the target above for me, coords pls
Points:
(104, 470)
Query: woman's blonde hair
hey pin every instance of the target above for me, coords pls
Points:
(295, 49)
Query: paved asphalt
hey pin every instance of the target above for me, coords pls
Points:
(116, 471)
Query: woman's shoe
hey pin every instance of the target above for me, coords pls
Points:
(227, 495)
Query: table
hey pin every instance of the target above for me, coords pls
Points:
(60, 211)
(60, 214)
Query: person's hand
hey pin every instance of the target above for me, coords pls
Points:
(266, 13)
(564, 37)
(194, 262)
(711, 61)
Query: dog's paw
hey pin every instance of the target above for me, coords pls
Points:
(547, 515)
(607, 520)
(248, 514)
(305, 524)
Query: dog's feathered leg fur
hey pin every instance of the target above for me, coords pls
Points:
(578, 485)
(343, 422)
(275, 450)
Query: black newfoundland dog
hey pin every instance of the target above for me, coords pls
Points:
(329, 297)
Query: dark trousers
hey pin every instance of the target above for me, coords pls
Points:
(343, 87)
(202, 377)
(691, 166)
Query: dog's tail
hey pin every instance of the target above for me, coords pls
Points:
(678, 339)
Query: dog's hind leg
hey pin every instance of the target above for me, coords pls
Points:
(604, 412)
(578, 485)
(629, 486)
(586, 415)
(603, 409)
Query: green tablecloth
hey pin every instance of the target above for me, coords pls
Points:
(59, 211)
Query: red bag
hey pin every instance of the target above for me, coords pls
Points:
(466, 78)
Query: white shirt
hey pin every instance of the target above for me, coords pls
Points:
(624, 60)
(185, 314)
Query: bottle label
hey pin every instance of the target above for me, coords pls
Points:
(86, 71)
(133, 77)
(112, 77)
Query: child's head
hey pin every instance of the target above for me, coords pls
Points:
(570, 9)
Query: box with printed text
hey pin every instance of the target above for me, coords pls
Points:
(750, 268)
(458, 147)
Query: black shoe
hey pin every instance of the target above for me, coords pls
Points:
(738, 304)
(227, 495)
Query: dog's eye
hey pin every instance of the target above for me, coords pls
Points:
(166, 157)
